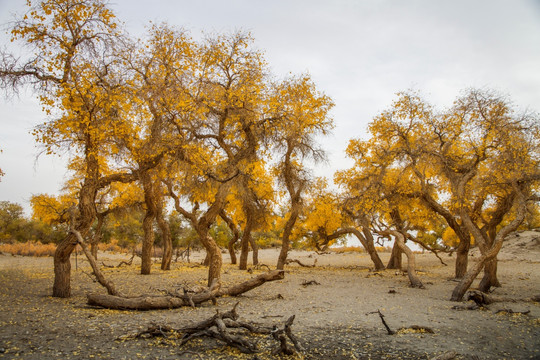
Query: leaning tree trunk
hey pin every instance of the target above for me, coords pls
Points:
(230, 247)
(462, 257)
(83, 222)
(411, 261)
(369, 245)
(395, 261)
(235, 237)
(285, 239)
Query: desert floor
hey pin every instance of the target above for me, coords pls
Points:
(334, 318)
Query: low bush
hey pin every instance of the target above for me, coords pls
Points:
(36, 249)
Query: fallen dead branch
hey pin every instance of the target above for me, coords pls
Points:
(123, 262)
(227, 327)
(482, 299)
(388, 330)
(289, 261)
(449, 355)
(310, 282)
(176, 300)
(510, 312)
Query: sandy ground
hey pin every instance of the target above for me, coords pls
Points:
(333, 319)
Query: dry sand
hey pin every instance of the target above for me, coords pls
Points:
(333, 319)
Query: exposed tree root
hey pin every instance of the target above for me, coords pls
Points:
(227, 328)
(176, 300)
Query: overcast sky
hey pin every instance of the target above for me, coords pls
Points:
(360, 53)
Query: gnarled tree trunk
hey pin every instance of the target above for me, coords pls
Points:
(462, 257)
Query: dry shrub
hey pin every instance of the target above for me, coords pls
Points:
(111, 246)
(36, 249)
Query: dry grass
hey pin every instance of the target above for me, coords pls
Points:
(36, 249)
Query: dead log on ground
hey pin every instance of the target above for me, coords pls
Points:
(171, 301)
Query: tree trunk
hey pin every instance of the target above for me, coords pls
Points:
(285, 239)
(244, 242)
(411, 261)
(230, 247)
(370, 248)
(215, 262)
(167, 240)
(462, 257)
(255, 249)
(94, 249)
(490, 276)
(148, 243)
(82, 223)
(234, 239)
(62, 267)
(148, 223)
(395, 261)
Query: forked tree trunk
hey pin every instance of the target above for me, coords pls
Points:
(395, 261)
(490, 276)
(462, 257)
(83, 221)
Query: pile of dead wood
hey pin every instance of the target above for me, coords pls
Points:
(227, 328)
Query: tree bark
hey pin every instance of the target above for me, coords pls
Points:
(149, 302)
(395, 261)
(62, 267)
(490, 276)
(462, 257)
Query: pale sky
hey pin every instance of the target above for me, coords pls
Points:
(360, 53)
